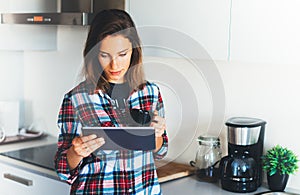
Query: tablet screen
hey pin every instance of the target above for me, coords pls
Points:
(124, 138)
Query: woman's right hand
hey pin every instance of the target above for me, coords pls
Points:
(82, 147)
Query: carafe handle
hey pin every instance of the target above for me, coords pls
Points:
(192, 163)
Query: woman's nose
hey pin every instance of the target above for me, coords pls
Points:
(114, 63)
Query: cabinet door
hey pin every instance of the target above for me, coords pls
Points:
(16, 181)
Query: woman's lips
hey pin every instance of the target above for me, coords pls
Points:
(115, 73)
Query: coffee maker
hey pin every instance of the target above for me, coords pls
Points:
(241, 169)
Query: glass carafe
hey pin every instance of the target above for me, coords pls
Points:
(207, 158)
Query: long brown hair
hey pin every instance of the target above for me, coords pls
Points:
(112, 22)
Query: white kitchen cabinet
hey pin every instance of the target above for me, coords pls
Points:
(14, 181)
(207, 22)
(265, 31)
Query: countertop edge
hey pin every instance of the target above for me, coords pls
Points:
(27, 166)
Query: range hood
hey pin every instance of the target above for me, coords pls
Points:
(69, 12)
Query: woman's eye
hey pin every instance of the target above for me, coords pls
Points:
(103, 55)
(123, 54)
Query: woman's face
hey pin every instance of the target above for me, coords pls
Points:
(114, 57)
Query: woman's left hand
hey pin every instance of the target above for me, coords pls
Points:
(159, 124)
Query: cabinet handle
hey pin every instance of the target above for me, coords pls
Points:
(18, 179)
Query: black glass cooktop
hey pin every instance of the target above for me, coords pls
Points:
(42, 156)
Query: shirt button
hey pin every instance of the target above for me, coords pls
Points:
(130, 190)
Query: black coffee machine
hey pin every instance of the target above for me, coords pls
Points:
(241, 170)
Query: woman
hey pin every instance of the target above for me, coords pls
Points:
(114, 84)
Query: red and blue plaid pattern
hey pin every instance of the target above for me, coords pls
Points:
(110, 172)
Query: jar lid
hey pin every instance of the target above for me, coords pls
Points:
(208, 140)
(245, 122)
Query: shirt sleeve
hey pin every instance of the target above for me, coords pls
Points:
(162, 152)
(68, 124)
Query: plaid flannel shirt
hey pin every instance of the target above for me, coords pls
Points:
(111, 172)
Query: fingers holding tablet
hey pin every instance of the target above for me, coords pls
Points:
(85, 145)
(159, 124)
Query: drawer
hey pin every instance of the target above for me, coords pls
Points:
(17, 181)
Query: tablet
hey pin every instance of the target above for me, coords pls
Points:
(124, 138)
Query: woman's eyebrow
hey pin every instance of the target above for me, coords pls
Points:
(103, 52)
(122, 51)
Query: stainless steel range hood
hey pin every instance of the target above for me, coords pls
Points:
(70, 12)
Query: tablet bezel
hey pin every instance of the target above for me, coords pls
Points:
(136, 138)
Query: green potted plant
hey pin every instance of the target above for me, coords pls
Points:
(279, 163)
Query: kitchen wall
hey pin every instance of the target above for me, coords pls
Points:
(253, 44)
(49, 75)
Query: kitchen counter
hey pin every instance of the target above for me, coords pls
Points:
(188, 185)
(19, 177)
(26, 166)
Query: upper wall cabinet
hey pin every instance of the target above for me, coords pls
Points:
(205, 22)
(265, 31)
(27, 37)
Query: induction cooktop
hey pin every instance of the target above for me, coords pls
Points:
(42, 156)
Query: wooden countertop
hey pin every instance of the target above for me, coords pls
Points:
(167, 171)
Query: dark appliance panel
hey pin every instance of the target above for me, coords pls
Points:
(42, 156)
